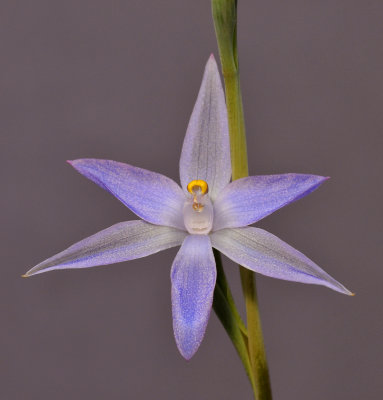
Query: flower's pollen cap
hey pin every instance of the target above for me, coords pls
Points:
(197, 185)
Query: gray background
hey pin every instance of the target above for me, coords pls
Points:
(118, 80)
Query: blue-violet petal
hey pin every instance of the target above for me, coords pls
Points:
(121, 242)
(206, 149)
(262, 252)
(250, 199)
(193, 277)
(152, 196)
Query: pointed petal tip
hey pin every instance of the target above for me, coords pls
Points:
(187, 355)
(187, 346)
(211, 62)
(338, 287)
(29, 273)
(349, 293)
(321, 179)
(75, 163)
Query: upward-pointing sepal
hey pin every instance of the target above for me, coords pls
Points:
(206, 149)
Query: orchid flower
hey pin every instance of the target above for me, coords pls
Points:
(208, 211)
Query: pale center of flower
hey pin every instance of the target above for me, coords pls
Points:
(198, 210)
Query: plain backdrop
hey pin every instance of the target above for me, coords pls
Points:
(117, 80)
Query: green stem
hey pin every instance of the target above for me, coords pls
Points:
(256, 345)
(225, 23)
(226, 311)
(224, 287)
(238, 147)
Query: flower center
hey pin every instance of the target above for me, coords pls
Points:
(198, 210)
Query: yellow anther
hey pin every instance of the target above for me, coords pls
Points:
(197, 186)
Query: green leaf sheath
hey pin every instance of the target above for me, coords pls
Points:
(225, 23)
